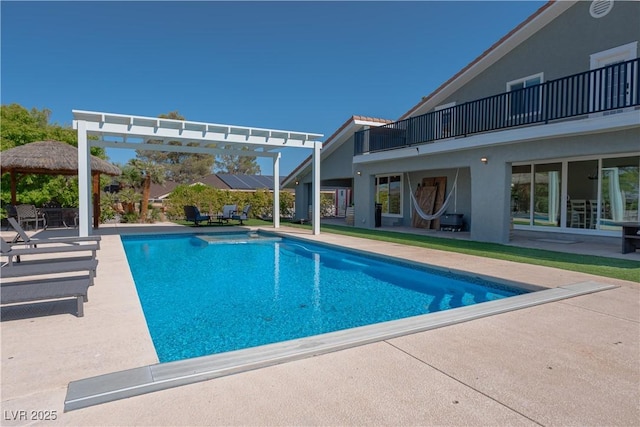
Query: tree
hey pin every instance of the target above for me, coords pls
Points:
(139, 175)
(237, 165)
(179, 167)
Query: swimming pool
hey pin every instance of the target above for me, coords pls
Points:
(209, 294)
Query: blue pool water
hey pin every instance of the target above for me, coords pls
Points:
(203, 295)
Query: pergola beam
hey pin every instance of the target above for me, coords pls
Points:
(180, 148)
(228, 139)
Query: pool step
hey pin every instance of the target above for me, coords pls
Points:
(236, 238)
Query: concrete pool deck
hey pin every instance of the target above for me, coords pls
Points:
(571, 362)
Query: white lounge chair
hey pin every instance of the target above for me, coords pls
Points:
(227, 213)
(242, 216)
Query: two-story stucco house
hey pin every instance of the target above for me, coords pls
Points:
(541, 132)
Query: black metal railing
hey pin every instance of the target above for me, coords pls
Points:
(602, 90)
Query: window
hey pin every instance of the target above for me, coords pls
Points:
(525, 97)
(619, 187)
(389, 194)
(598, 194)
(521, 194)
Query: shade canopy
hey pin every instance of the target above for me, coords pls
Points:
(50, 158)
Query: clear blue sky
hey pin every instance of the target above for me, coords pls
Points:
(302, 66)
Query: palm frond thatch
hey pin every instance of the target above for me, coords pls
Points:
(50, 157)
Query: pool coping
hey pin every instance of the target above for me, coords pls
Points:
(147, 379)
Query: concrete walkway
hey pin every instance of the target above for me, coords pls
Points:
(572, 362)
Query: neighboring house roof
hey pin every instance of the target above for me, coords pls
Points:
(161, 191)
(349, 127)
(212, 180)
(225, 181)
(248, 182)
(515, 37)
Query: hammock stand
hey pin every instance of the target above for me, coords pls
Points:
(443, 208)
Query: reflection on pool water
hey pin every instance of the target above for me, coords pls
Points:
(207, 294)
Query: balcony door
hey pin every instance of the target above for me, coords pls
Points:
(612, 86)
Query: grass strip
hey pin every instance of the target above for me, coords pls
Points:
(600, 266)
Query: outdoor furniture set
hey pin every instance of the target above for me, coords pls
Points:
(50, 215)
(229, 212)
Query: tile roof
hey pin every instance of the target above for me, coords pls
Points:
(329, 140)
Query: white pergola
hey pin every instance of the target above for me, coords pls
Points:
(109, 130)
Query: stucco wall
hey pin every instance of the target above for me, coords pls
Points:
(560, 49)
(484, 189)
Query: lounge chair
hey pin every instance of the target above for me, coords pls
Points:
(66, 253)
(227, 213)
(55, 266)
(192, 213)
(12, 212)
(242, 216)
(30, 287)
(23, 238)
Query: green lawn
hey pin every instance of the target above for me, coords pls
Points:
(600, 266)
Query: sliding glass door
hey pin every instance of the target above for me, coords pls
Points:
(597, 194)
(619, 189)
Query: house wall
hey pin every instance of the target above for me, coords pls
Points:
(337, 165)
(562, 48)
(483, 194)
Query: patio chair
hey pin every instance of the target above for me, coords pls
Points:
(578, 215)
(28, 214)
(192, 213)
(242, 216)
(227, 213)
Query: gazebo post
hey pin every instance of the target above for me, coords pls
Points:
(96, 199)
(13, 188)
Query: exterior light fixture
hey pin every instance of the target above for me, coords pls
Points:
(484, 160)
(297, 182)
(359, 173)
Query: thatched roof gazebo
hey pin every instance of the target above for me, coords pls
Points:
(51, 158)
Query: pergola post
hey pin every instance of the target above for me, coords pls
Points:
(276, 191)
(315, 220)
(84, 180)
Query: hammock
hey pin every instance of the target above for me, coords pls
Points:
(442, 210)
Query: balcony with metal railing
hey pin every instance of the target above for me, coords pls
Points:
(603, 90)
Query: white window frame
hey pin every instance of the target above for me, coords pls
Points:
(510, 84)
(389, 175)
(623, 53)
